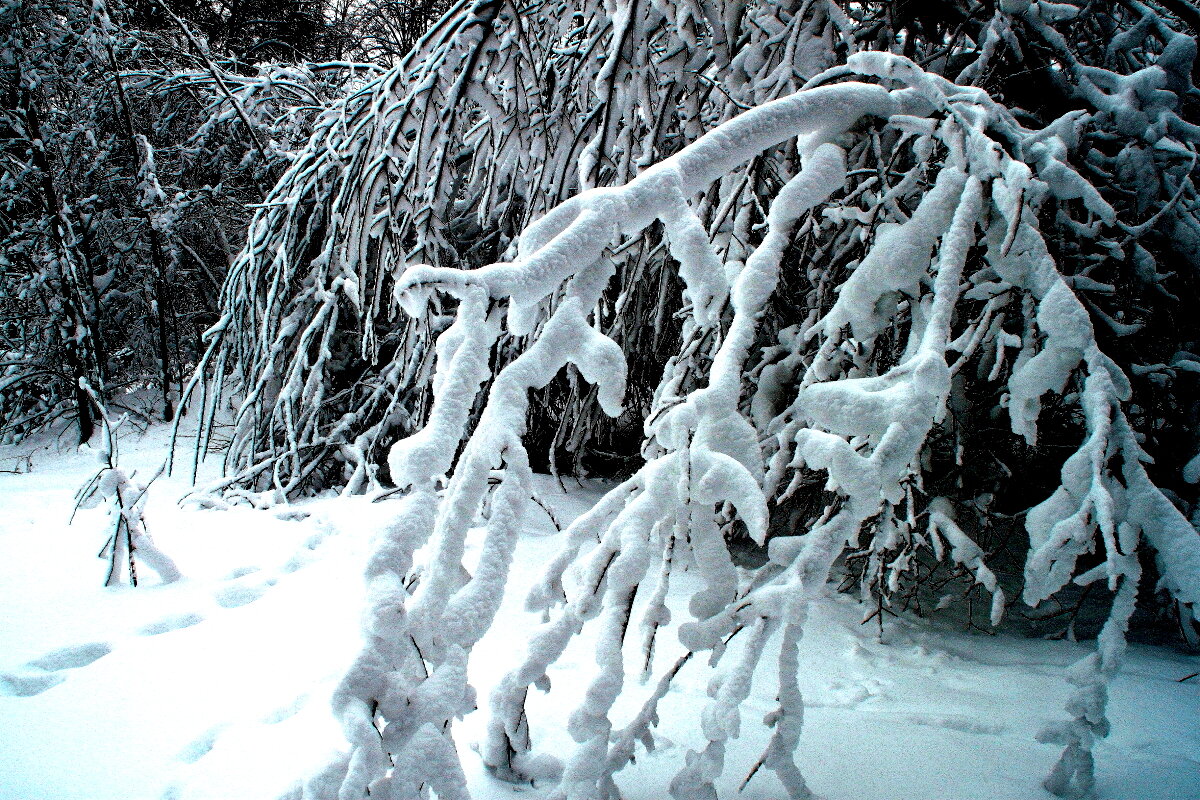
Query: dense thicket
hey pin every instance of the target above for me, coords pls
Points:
(422, 164)
(128, 159)
(251, 31)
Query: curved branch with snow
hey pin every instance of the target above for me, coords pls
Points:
(865, 423)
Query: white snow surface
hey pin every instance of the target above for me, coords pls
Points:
(218, 686)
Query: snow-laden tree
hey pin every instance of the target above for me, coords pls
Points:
(126, 162)
(872, 280)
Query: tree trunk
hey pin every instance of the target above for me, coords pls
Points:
(73, 328)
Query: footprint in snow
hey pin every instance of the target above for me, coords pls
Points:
(842, 694)
(13, 685)
(44, 671)
(304, 557)
(72, 657)
(286, 711)
(241, 572)
(240, 594)
(958, 723)
(202, 745)
(294, 563)
(171, 623)
(318, 537)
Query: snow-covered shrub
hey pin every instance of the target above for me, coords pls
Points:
(125, 499)
(499, 113)
(861, 419)
(434, 160)
(866, 287)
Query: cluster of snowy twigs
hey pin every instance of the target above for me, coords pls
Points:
(128, 540)
(494, 118)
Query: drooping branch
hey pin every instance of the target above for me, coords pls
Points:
(866, 434)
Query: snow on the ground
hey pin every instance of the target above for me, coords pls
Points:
(217, 687)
